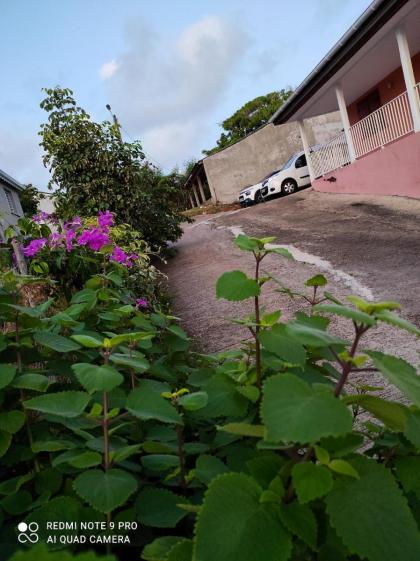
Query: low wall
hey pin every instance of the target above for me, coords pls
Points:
(393, 170)
(249, 160)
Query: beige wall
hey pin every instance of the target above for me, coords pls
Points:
(248, 161)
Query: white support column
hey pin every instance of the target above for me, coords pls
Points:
(200, 186)
(306, 149)
(191, 201)
(346, 123)
(197, 200)
(410, 82)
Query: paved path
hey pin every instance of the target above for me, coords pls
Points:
(368, 246)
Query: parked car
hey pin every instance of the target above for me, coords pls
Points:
(292, 176)
(252, 194)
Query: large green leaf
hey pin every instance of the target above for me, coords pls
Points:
(392, 318)
(393, 415)
(248, 244)
(87, 341)
(344, 311)
(293, 411)
(105, 490)
(29, 381)
(311, 481)
(408, 470)
(300, 520)
(236, 286)
(306, 334)
(56, 342)
(159, 549)
(193, 401)
(398, 372)
(63, 404)
(97, 378)
(223, 399)
(12, 421)
(182, 551)
(146, 402)
(138, 363)
(371, 516)
(7, 373)
(158, 508)
(286, 348)
(412, 431)
(208, 467)
(234, 525)
(5, 441)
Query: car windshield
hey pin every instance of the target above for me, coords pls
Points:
(289, 162)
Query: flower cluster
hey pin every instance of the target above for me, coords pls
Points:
(74, 233)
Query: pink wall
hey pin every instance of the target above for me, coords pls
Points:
(393, 170)
(391, 86)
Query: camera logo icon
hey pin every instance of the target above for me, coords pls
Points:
(28, 532)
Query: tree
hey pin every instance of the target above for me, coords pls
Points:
(94, 169)
(249, 118)
(29, 199)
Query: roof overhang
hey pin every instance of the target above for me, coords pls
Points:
(198, 166)
(365, 55)
(6, 178)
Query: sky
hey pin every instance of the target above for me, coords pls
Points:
(171, 70)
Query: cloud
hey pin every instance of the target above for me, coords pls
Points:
(166, 91)
(108, 69)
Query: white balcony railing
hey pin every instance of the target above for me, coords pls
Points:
(388, 123)
(330, 156)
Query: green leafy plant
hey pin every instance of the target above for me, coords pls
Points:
(275, 451)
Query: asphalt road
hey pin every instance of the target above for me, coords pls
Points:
(364, 245)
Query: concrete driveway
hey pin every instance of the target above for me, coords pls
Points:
(364, 245)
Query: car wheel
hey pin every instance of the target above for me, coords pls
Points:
(258, 197)
(288, 186)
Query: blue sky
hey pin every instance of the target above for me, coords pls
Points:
(171, 70)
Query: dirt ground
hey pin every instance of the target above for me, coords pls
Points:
(364, 245)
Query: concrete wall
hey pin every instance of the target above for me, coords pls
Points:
(248, 161)
(392, 170)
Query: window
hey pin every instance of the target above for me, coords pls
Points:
(368, 104)
(11, 201)
(301, 161)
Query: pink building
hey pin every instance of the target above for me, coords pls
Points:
(372, 76)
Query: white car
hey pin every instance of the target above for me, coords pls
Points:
(252, 193)
(292, 176)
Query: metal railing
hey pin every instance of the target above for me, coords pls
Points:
(330, 156)
(388, 123)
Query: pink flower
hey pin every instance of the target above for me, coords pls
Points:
(55, 239)
(40, 217)
(70, 235)
(119, 255)
(73, 224)
(105, 219)
(142, 303)
(94, 239)
(34, 247)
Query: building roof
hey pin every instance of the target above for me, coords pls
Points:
(6, 178)
(341, 58)
(194, 172)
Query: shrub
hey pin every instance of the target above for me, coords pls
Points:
(254, 454)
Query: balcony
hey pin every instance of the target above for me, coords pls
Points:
(385, 125)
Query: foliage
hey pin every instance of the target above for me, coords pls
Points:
(29, 199)
(95, 169)
(250, 117)
(260, 453)
(70, 252)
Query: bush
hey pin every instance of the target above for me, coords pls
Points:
(257, 454)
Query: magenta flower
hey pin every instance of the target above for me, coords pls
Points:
(34, 247)
(55, 240)
(142, 303)
(119, 255)
(73, 224)
(70, 235)
(40, 217)
(94, 239)
(105, 219)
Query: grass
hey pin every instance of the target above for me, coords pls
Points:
(212, 208)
